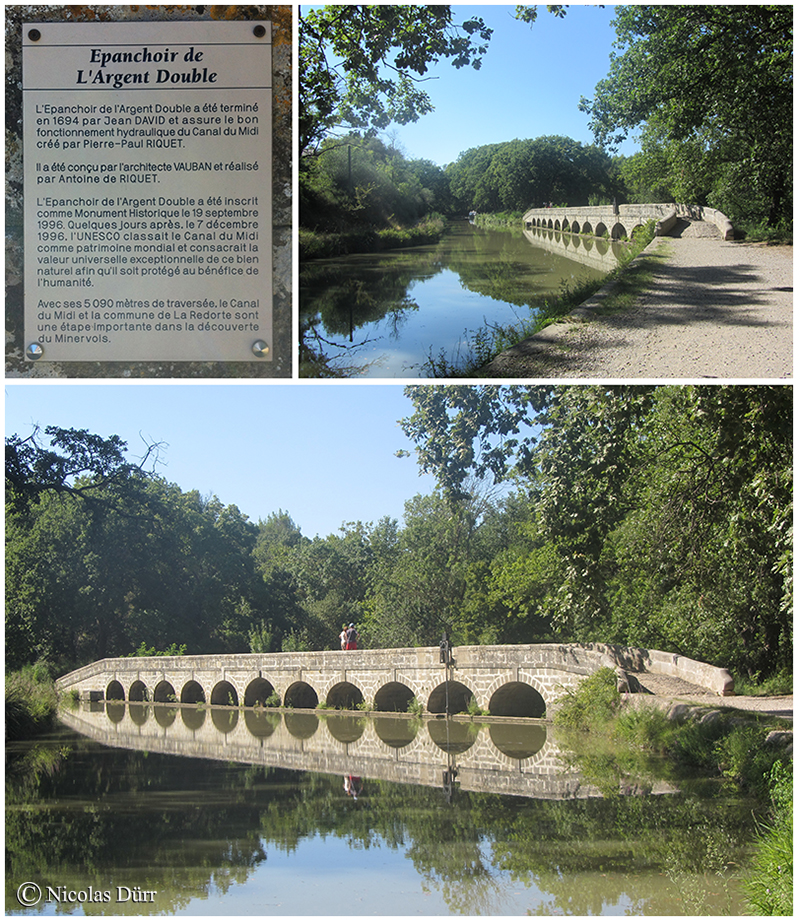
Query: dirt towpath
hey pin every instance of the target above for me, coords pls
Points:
(714, 309)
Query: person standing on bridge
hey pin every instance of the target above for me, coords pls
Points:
(351, 637)
(343, 638)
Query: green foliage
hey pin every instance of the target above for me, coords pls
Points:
(521, 174)
(362, 66)
(30, 701)
(712, 86)
(173, 650)
(593, 704)
(415, 707)
(666, 512)
(261, 637)
(769, 885)
(781, 683)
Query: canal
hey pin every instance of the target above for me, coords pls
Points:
(143, 809)
(393, 314)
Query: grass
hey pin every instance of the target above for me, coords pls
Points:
(781, 683)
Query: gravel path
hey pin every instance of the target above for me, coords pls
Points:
(665, 690)
(714, 309)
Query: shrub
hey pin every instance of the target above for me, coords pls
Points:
(31, 701)
(596, 701)
(769, 884)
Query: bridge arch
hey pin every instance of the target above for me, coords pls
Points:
(393, 696)
(138, 692)
(344, 695)
(192, 693)
(114, 690)
(300, 695)
(257, 692)
(164, 692)
(224, 693)
(450, 698)
(516, 700)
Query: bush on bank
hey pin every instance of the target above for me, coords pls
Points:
(316, 245)
(31, 701)
(610, 741)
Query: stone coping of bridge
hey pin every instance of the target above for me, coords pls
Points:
(580, 658)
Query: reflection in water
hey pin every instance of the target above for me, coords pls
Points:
(400, 748)
(238, 834)
(452, 736)
(520, 742)
(403, 307)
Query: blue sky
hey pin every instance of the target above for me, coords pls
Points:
(323, 453)
(530, 83)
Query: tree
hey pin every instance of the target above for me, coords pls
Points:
(361, 66)
(660, 517)
(718, 78)
(77, 462)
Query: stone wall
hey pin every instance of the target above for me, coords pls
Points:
(282, 155)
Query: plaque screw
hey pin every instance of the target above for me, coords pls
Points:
(34, 351)
(259, 32)
(260, 349)
(34, 35)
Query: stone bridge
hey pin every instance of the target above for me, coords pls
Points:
(621, 221)
(520, 680)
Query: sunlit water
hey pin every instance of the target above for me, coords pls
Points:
(94, 819)
(394, 314)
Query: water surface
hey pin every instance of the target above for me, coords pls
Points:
(217, 816)
(388, 315)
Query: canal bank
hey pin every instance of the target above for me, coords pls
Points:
(710, 309)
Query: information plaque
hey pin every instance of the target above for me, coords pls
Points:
(148, 191)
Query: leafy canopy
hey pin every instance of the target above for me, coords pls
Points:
(361, 66)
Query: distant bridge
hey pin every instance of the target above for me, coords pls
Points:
(621, 221)
(519, 680)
